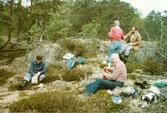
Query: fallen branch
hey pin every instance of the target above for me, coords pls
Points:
(14, 50)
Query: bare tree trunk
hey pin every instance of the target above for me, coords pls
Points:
(19, 21)
(9, 26)
(11, 14)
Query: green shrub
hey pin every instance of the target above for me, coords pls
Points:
(48, 102)
(153, 66)
(53, 73)
(131, 67)
(16, 86)
(23, 94)
(4, 75)
(56, 37)
(164, 63)
(102, 103)
(76, 74)
(132, 76)
(66, 102)
(90, 30)
(78, 48)
(67, 44)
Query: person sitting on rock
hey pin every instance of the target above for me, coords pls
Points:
(110, 81)
(134, 38)
(36, 71)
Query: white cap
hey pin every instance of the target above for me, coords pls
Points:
(116, 23)
(68, 56)
(115, 56)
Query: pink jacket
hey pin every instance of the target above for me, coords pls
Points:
(116, 33)
(119, 72)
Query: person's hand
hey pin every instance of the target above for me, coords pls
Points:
(108, 70)
(38, 73)
(106, 77)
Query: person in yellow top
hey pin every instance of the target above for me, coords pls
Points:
(134, 39)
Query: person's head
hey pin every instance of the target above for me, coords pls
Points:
(38, 58)
(115, 58)
(116, 22)
(134, 29)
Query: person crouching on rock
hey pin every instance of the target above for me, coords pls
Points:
(134, 38)
(117, 78)
(36, 72)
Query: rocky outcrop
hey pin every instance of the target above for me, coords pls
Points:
(146, 50)
(49, 51)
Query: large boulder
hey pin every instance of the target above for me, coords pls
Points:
(146, 50)
(49, 51)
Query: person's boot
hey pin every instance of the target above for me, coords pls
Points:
(125, 59)
(23, 84)
(122, 57)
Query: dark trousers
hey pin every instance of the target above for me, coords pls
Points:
(102, 84)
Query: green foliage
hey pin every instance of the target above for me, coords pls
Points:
(55, 19)
(22, 94)
(16, 86)
(150, 65)
(79, 48)
(35, 32)
(161, 44)
(98, 16)
(48, 102)
(76, 47)
(4, 75)
(65, 102)
(76, 74)
(152, 24)
(153, 66)
(53, 73)
(131, 67)
(132, 76)
(90, 30)
(102, 103)
(59, 25)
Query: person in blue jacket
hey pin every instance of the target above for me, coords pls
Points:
(37, 68)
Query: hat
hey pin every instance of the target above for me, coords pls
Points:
(115, 56)
(116, 22)
(68, 56)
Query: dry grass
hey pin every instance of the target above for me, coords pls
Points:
(76, 74)
(23, 94)
(131, 67)
(4, 75)
(78, 48)
(154, 67)
(65, 102)
(53, 72)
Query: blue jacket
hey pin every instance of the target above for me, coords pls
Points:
(35, 68)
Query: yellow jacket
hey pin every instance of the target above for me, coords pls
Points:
(134, 39)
